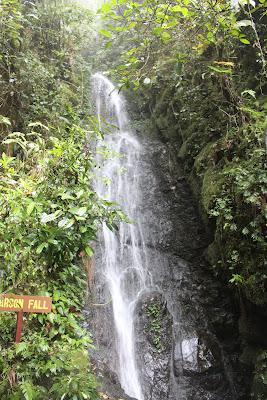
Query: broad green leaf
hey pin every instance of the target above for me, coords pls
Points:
(67, 196)
(225, 63)
(4, 120)
(157, 31)
(105, 33)
(245, 41)
(33, 124)
(165, 36)
(108, 44)
(180, 9)
(6, 160)
(30, 207)
(79, 193)
(41, 247)
(51, 316)
(251, 93)
(236, 278)
(66, 223)
(48, 217)
(210, 36)
(43, 346)
(80, 211)
(89, 251)
(21, 347)
(105, 8)
(244, 22)
(56, 295)
(220, 70)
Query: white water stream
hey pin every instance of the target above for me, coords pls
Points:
(123, 252)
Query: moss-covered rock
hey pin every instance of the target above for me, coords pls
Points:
(259, 388)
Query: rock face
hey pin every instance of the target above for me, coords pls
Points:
(186, 348)
(154, 325)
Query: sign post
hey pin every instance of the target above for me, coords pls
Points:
(21, 304)
(19, 326)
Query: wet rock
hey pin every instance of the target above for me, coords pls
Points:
(191, 351)
(153, 345)
(110, 388)
(196, 356)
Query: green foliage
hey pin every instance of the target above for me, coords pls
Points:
(78, 382)
(240, 210)
(154, 327)
(201, 71)
(49, 215)
(184, 30)
(49, 210)
(41, 63)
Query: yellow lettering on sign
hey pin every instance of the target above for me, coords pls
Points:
(18, 303)
(31, 303)
(11, 303)
(45, 306)
(25, 303)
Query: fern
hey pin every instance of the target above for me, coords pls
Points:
(28, 390)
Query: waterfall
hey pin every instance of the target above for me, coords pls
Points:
(144, 265)
(124, 252)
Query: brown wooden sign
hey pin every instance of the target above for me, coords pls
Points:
(21, 304)
(34, 304)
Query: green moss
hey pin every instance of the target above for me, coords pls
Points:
(212, 186)
(204, 159)
(259, 387)
(213, 253)
(255, 284)
(195, 184)
(249, 355)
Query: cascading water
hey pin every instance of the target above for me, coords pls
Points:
(124, 252)
(156, 333)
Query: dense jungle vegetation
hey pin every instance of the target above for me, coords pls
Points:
(197, 72)
(49, 210)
